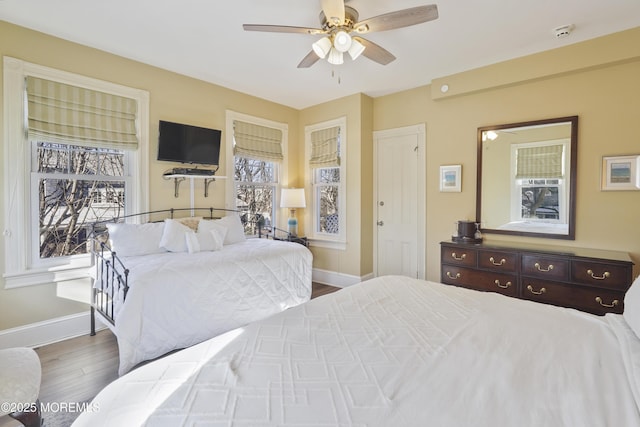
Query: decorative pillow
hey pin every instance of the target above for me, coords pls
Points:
(190, 221)
(173, 236)
(136, 239)
(211, 235)
(193, 245)
(235, 230)
(631, 312)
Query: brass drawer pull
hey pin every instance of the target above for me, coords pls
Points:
(505, 286)
(458, 258)
(537, 266)
(540, 292)
(493, 261)
(593, 276)
(450, 276)
(613, 303)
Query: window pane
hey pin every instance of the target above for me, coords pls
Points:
(68, 207)
(328, 175)
(52, 157)
(249, 170)
(328, 221)
(257, 201)
(63, 158)
(540, 202)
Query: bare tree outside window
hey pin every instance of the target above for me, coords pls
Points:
(77, 186)
(255, 192)
(327, 184)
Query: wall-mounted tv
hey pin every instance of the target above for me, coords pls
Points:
(188, 144)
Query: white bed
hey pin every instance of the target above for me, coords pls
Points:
(394, 351)
(178, 299)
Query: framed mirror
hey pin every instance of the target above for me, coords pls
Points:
(527, 178)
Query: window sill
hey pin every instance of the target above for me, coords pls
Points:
(328, 244)
(43, 277)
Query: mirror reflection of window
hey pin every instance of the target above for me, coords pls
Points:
(538, 188)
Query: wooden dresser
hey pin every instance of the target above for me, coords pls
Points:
(590, 280)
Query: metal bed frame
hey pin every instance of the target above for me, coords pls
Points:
(112, 276)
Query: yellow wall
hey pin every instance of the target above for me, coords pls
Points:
(172, 97)
(606, 97)
(356, 259)
(596, 80)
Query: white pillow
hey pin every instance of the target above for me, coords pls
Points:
(211, 235)
(173, 236)
(631, 312)
(235, 230)
(136, 239)
(193, 245)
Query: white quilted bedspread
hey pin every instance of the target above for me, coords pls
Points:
(177, 300)
(391, 352)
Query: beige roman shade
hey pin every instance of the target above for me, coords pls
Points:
(58, 111)
(257, 142)
(539, 162)
(325, 151)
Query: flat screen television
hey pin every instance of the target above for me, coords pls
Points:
(188, 144)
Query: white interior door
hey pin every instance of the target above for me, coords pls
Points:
(400, 195)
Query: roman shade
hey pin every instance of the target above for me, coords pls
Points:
(58, 111)
(257, 142)
(539, 162)
(325, 152)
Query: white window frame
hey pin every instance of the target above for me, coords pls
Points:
(327, 240)
(282, 175)
(18, 230)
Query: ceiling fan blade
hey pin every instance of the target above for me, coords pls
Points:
(334, 11)
(398, 19)
(282, 29)
(375, 52)
(309, 60)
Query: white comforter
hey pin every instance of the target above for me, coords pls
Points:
(393, 352)
(176, 300)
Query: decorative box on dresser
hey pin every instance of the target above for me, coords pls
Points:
(590, 280)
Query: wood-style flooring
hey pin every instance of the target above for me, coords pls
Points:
(75, 370)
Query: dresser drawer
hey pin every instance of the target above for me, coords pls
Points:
(613, 276)
(498, 261)
(551, 268)
(480, 280)
(459, 256)
(592, 300)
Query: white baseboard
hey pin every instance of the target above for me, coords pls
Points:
(48, 331)
(339, 280)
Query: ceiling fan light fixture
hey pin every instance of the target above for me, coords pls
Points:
(322, 47)
(335, 57)
(342, 41)
(356, 49)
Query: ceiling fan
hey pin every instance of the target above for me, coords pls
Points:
(341, 32)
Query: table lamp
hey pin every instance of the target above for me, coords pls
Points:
(292, 198)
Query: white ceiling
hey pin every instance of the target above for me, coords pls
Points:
(204, 39)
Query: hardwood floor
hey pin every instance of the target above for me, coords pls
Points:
(75, 370)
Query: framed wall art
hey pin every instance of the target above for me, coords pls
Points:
(451, 178)
(620, 173)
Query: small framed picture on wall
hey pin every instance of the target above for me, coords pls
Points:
(620, 173)
(451, 178)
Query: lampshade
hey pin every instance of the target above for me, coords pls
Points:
(292, 198)
(335, 57)
(342, 41)
(356, 49)
(322, 47)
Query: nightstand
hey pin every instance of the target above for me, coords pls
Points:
(296, 239)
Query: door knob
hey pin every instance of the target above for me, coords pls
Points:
(380, 223)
